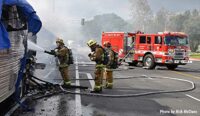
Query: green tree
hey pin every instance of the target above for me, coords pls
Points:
(192, 28)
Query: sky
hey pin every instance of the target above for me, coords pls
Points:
(89, 8)
(174, 5)
(70, 12)
(82, 8)
(65, 13)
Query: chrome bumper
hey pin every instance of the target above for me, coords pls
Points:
(178, 61)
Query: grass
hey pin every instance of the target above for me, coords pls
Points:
(195, 55)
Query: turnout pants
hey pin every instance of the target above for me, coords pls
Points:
(65, 75)
(109, 77)
(98, 77)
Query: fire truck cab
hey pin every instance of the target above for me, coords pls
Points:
(164, 48)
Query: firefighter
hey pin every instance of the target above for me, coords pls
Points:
(63, 58)
(108, 69)
(62, 53)
(97, 56)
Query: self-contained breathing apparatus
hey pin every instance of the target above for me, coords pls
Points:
(114, 64)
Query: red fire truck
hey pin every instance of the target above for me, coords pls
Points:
(164, 48)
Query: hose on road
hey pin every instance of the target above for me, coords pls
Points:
(192, 87)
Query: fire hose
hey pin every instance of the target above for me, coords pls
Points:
(192, 87)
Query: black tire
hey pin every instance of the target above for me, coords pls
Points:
(172, 67)
(149, 62)
(134, 63)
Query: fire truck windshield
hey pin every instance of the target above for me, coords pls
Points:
(176, 40)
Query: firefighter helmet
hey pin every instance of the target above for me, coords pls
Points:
(107, 44)
(91, 42)
(59, 41)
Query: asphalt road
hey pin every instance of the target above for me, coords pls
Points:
(168, 104)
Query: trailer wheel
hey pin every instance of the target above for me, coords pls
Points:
(172, 67)
(149, 62)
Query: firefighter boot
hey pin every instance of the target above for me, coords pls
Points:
(97, 89)
(109, 79)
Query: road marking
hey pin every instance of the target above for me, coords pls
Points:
(86, 63)
(89, 77)
(53, 69)
(184, 74)
(91, 80)
(77, 96)
(193, 97)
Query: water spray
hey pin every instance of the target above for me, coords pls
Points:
(33, 46)
(69, 43)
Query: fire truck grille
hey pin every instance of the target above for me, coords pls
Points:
(178, 57)
(179, 54)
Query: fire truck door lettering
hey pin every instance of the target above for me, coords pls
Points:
(141, 47)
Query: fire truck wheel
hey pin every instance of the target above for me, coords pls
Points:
(149, 62)
(172, 67)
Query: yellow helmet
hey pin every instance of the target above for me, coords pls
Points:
(58, 40)
(91, 42)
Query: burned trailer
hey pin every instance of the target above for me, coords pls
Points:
(16, 22)
(10, 57)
